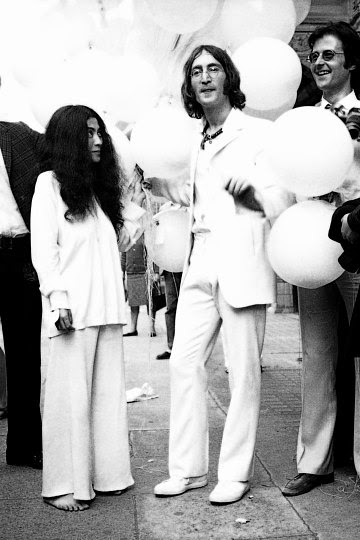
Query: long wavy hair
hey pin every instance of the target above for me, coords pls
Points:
(83, 182)
(231, 85)
(351, 44)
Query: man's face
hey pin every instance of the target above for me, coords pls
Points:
(331, 75)
(207, 81)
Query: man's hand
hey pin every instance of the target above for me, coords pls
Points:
(65, 320)
(236, 185)
(347, 233)
(243, 193)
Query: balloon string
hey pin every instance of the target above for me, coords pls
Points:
(150, 206)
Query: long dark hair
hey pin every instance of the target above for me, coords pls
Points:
(351, 44)
(83, 182)
(231, 86)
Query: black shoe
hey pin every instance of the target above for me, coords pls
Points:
(135, 333)
(33, 460)
(303, 483)
(164, 356)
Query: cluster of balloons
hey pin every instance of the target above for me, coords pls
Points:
(123, 57)
(309, 152)
(121, 45)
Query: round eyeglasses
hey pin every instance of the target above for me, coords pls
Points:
(212, 71)
(326, 55)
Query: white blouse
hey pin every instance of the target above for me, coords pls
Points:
(78, 262)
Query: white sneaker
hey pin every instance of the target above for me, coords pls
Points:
(176, 485)
(227, 492)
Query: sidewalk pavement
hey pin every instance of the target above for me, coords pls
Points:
(329, 513)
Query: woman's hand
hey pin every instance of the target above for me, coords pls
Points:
(138, 195)
(65, 320)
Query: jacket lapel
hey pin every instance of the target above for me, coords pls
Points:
(5, 146)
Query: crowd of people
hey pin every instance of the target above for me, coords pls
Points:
(66, 213)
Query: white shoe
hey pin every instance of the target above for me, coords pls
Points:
(227, 492)
(176, 485)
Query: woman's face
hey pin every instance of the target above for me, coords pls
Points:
(95, 139)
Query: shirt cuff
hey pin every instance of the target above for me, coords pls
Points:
(58, 300)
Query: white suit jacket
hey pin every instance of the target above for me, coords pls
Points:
(238, 234)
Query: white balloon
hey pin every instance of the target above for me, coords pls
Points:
(299, 248)
(42, 45)
(168, 239)
(248, 19)
(122, 147)
(310, 150)
(112, 34)
(275, 83)
(106, 92)
(181, 17)
(161, 141)
(138, 88)
(302, 8)
(271, 114)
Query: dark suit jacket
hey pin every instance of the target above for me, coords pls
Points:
(350, 260)
(22, 149)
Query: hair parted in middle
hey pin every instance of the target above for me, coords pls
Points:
(231, 86)
(83, 182)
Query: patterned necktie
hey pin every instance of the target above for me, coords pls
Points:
(338, 110)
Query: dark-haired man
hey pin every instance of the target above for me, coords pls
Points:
(20, 301)
(227, 280)
(335, 65)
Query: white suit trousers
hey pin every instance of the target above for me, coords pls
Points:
(201, 310)
(85, 429)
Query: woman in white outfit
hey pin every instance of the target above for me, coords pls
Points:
(79, 222)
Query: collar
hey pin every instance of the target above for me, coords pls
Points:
(236, 119)
(347, 102)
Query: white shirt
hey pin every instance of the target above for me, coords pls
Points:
(11, 221)
(207, 189)
(78, 263)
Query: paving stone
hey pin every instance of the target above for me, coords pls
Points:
(190, 516)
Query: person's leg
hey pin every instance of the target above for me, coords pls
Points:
(172, 288)
(3, 392)
(197, 327)
(134, 315)
(348, 384)
(244, 331)
(109, 414)
(20, 312)
(319, 312)
(67, 445)
(357, 417)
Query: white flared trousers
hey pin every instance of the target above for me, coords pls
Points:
(200, 313)
(85, 429)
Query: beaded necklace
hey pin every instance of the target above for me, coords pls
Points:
(207, 137)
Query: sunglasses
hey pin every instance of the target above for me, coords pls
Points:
(327, 55)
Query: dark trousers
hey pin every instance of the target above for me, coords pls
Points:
(20, 312)
(172, 287)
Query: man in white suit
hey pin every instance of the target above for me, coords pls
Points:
(227, 279)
